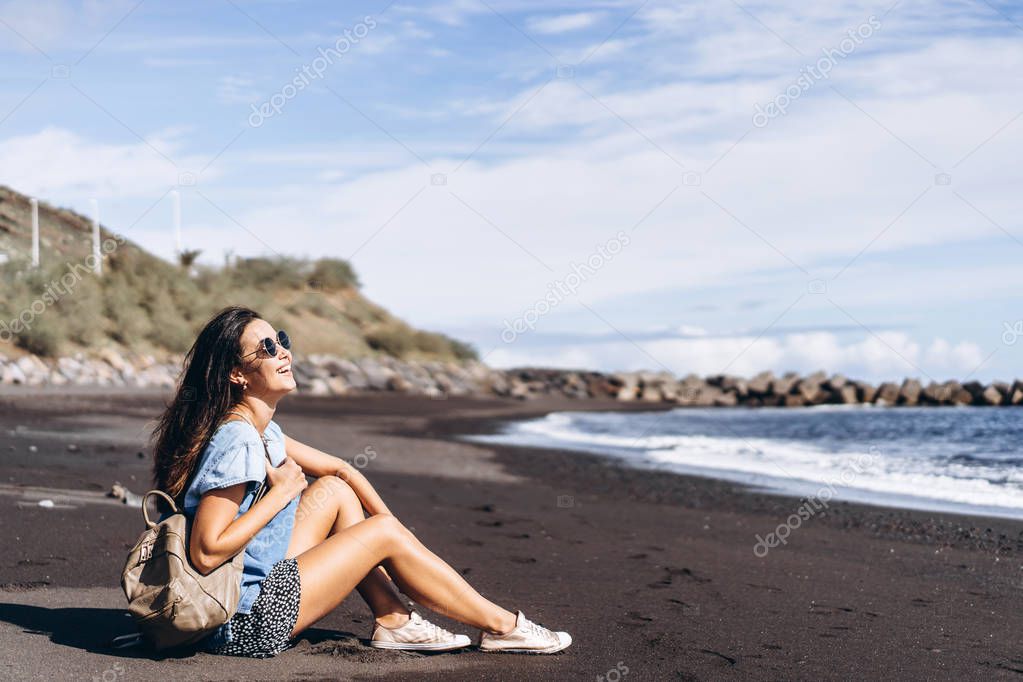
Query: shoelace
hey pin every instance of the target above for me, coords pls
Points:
(436, 631)
(540, 631)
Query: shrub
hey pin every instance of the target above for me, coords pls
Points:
(44, 336)
(462, 350)
(331, 274)
(269, 273)
(394, 339)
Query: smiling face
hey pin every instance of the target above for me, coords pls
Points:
(262, 375)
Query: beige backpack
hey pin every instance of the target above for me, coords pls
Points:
(173, 603)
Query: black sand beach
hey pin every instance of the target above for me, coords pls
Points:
(654, 574)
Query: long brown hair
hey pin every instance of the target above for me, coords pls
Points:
(203, 397)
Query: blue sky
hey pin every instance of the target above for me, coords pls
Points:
(469, 157)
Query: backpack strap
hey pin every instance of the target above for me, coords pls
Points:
(145, 509)
(266, 450)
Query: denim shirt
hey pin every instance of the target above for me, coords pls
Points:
(235, 455)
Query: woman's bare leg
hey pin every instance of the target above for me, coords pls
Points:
(328, 506)
(333, 568)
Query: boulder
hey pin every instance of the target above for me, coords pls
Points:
(628, 386)
(865, 393)
(887, 394)
(734, 385)
(975, 388)
(909, 393)
(793, 400)
(784, 384)
(845, 395)
(317, 387)
(1015, 396)
(990, 396)
(936, 394)
(12, 374)
(810, 390)
(725, 399)
(377, 374)
(835, 382)
(760, 385)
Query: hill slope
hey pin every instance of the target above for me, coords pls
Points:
(144, 304)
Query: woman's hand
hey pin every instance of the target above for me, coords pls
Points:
(288, 479)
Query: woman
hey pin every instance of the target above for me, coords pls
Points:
(306, 546)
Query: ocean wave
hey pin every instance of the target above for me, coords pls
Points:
(874, 473)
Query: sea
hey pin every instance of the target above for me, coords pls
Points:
(965, 459)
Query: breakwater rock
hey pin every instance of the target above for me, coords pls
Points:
(332, 375)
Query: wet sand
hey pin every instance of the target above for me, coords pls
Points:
(654, 574)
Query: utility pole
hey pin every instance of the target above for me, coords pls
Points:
(176, 204)
(97, 266)
(35, 232)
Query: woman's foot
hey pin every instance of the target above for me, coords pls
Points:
(526, 637)
(418, 634)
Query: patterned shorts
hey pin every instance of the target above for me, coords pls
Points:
(266, 630)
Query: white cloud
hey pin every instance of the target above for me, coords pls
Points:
(237, 90)
(61, 166)
(564, 23)
(889, 355)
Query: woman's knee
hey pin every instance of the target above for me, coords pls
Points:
(330, 491)
(389, 526)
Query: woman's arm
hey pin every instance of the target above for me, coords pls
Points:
(318, 463)
(217, 535)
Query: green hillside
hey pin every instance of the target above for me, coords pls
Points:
(144, 304)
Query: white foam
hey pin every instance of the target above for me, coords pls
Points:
(777, 463)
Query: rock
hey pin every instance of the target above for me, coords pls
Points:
(935, 394)
(689, 391)
(377, 374)
(13, 374)
(909, 393)
(760, 385)
(959, 395)
(865, 393)
(337, 385)
(317, 387)
(1015, 396)
(398, 384)
(784, 384)
(628, 386)
(793, 400)
(887, 394)
(845, 395)
(835, 382)
(975, 388)
(723, 399)
(1002, 387)
(734, 385)
(810, 390)
(991, 396)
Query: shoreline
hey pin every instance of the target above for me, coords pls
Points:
(653, 571)
(947, 528)
(791, 487)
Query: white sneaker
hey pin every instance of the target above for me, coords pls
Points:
(526, 638)
(418, 634)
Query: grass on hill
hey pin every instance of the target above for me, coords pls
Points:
(144, 304)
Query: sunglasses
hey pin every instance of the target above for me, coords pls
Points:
(269, 346)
